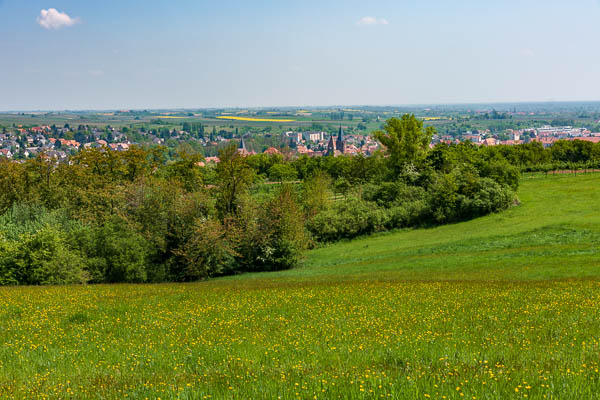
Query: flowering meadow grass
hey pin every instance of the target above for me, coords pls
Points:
(505, 306)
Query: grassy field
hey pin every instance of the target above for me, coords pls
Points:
(504, 306)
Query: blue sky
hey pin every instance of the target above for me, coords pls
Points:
(194, 53)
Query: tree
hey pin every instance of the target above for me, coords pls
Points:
(186, 169)
(285, 230)
(234, 177)
(208, 252)
(406, 140)
(317, 194)
(283, 172)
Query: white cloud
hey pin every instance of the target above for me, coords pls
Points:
(54, 19)
(372, 21)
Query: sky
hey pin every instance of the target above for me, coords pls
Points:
(148, 54)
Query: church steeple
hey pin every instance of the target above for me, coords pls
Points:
(341, 141)
(331, 146)
(242, 147)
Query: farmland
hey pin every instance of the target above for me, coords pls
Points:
(504, 306)
(247, 119)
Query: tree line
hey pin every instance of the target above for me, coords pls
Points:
(140, 216)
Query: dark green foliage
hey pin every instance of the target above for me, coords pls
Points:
(38, 258)
(270, 235)
(282, 173)
(117, 253)
(34, 247)
(234, 176)
(284, 230)
(389, 194)
(206, 253)
(347, 219)
(157, 215)
(406, 140)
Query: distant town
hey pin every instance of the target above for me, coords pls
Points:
(547, 135)
(61, 142)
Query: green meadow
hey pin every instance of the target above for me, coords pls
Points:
(504, 306)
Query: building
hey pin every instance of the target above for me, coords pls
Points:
(242, 148)
(337, 146)
(314, 136)
(272, 151)
(6, 153)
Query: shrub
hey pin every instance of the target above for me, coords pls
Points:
(40, 258)
(390, 194)
(117, 253)
(408, 214)
(501, 172)
(8, 266)
(286, 233)
(462, 195)
(206, 253)
(347, 219)
(23, 219)
(282, 172)
(489, 197)
(443, 198)
(316, 193)
(270, 236)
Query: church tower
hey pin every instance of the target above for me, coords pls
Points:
(341, 141)
(331, 147)
(242, 147)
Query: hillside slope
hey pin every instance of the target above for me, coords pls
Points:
(465, 311)
(554, 233)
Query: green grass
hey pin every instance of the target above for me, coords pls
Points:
(504, 306)
(553, 233)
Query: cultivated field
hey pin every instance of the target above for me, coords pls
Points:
(505, 306)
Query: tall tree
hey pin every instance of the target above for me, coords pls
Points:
(235, 177)
(406, 140)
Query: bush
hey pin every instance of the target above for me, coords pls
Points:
(270, 236)
(501, 172)
(443, 198)
(117, 253)
(347, 219)
(284, 223)
(37, 247)
(316, 193)
(23, 219)
(40, 258)
(391, 194)
(408, 214)
(208, 252)
(8, 266)
(462, 195)
(490, 197)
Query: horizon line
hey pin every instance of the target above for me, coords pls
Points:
(297, 106)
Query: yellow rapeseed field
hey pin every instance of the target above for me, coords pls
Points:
(248, 119)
